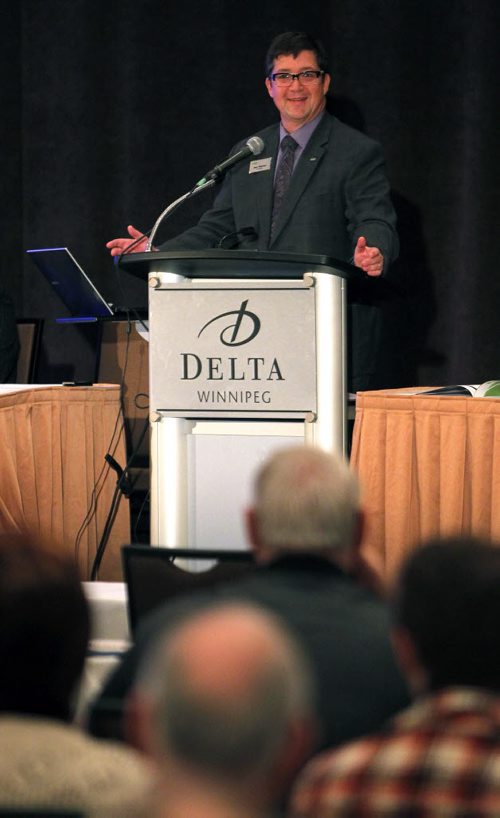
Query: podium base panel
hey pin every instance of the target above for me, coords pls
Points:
(214, 472)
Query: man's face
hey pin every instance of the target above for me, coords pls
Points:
(298, 102)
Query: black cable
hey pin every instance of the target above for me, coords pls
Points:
(108, 525)
(111, 449)
(122, 483)
(96, 491)
(140, 513)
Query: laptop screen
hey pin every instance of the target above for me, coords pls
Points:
(71, 283)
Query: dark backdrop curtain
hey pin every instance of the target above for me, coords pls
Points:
(113, 108)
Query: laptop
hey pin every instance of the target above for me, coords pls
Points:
(75, 289)
(155, 575)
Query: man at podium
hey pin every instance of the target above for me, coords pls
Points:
(316, 186)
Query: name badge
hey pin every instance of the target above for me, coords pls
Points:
(258, 165)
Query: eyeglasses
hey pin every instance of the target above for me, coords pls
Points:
(286, 77)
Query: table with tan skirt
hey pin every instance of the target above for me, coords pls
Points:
(429, 465)
(54, 481)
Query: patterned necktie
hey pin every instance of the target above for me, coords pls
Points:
(283, 176)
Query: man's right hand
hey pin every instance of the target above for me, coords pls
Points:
(119, 246)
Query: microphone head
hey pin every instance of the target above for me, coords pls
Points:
(256, 145)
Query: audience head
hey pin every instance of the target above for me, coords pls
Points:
(305, 500)
(447, 615)
(44, 629)
(227, 695)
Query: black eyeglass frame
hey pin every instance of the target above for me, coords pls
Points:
(299, 76)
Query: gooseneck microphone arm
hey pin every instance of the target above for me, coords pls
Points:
(171, 207)
(253, 146)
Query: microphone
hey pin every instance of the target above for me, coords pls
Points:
(253, 146)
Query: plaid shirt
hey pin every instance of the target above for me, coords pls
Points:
(440, 757)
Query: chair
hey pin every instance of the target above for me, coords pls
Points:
(29, 331)
(153, 578)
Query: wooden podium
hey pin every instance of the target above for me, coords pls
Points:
(247, 352)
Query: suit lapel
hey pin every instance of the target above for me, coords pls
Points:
(307, 166)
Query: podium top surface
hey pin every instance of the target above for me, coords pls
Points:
(235, 264)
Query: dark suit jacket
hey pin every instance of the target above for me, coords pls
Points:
(339, 192)
(343, 628)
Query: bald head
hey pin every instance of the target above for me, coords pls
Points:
(226, 684)
(305, 499)
(248, 647)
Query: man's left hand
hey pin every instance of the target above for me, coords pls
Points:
(370, 259)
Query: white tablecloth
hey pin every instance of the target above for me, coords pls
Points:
(109, 637)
